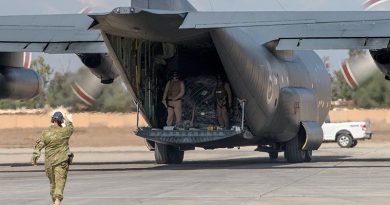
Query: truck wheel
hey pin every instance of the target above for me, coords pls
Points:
(293, 152)
(273, 155)
(344, 140)
(354, 143)
(166, 154)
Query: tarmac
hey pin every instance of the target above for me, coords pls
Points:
(128, 175)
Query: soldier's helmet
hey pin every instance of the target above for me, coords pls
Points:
(57, 117)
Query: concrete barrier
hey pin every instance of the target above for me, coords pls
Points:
(379, 118)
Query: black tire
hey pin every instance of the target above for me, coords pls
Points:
(273, 155)
(166, 154)
(354, 143)
(308, 155)
(344, 140)
(293, 152)
(175, 155)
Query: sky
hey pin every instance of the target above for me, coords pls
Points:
(69, 62)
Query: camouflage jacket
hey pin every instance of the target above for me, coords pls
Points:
(55, 140)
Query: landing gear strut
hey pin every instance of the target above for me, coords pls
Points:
(273, 155)
(167, 154)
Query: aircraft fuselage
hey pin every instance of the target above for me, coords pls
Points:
(282, 89)
(262, 75)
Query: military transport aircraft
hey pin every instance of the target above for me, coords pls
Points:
(281, 87)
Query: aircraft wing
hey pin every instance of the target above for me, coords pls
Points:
(50, 34)
(304, 30)
(290, 29)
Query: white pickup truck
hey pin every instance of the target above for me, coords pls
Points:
(346, 134)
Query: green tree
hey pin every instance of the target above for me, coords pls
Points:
(340, 88)
(356, 53)
(43, 69)
(59, 92)
(114, 98)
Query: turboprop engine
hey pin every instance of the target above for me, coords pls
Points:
(382, 60)
(360, 68)
(16, 80)
(101, 67)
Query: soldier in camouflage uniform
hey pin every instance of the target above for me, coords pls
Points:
(223, 96)
(55, 140)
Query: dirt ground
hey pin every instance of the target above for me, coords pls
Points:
(82, 137)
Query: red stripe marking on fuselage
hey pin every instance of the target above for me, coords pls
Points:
(348, 75)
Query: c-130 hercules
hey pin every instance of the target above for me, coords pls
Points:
(283, 86)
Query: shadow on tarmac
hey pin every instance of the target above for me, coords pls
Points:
(237, 163)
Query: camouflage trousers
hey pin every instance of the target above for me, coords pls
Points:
(57, 176)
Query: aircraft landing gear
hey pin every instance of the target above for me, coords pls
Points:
(308, 155)
(294, 154)
(166, 154)
(273, 155)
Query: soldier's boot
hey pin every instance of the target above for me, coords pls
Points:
(57, 202)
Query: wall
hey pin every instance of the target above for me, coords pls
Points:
(82, 120)
(379, 118)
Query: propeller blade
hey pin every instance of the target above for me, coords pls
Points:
(359, 69)
(87, 89)
(377, 5)
(27, 56)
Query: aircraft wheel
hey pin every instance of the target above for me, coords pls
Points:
(273, 155)
(344, 140)
(293, 152)
(308, 155)
(149, 144)
(166, 154)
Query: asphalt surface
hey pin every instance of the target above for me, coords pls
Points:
(128, 175)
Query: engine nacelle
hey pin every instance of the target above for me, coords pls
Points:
(16, 60)
(101, 65)
(382, 60)
(19, 83)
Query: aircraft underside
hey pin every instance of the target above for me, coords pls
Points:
(278, 101)
(266, 56)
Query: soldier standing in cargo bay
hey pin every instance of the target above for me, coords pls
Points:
(172, 99)
(223, 98)
(58, 157)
